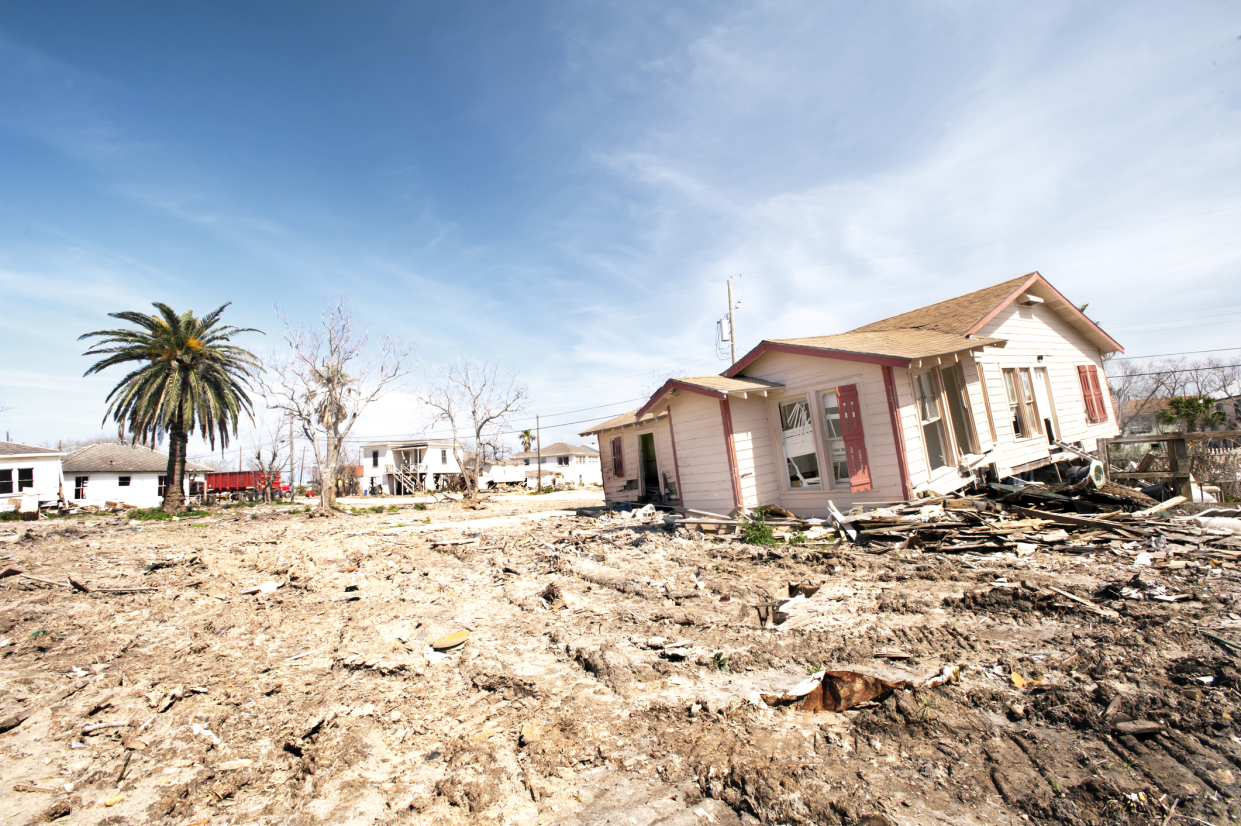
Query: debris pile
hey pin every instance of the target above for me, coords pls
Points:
(996, 656)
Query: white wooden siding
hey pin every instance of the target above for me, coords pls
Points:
(1032, 332)
(701, 453)
(803, 377)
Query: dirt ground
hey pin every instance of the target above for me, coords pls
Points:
(611, 675)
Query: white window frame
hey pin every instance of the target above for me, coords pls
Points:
(785, 481)
(1026, 409)
(945, 435)
(835, 484)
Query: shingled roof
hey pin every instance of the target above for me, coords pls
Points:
(900, 344)
(113, 458)
(559, 449)
(16, 449)
(955, 315)
(623, 420)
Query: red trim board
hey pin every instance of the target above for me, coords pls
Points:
(898, 435)
(726, 419)
(676, 465)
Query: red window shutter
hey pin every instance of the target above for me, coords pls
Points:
(855, 438)
(1099, 407)
(618, 462)
(1088, 394)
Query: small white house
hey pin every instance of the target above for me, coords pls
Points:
(401, 468)
(131, 475)
(26, 470)
(575, 464)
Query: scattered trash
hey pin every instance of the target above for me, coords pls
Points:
(204, 731)
(450, 641)
(832, 691)
(268, 587)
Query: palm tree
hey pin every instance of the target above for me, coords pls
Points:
(190, 378)
(527, 438)
(1192, 412)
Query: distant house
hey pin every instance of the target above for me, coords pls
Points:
(576, 464)
(925, 401)
(403, 467)
(128, 474)
(26, 470)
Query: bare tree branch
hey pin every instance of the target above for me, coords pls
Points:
(472, 397)
(330, 374)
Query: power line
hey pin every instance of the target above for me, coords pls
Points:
(1186, 353)
(1184, 370)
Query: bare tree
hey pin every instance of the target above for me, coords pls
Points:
(1140, 389)
(328, 377)
(473, 398)
(269, 463)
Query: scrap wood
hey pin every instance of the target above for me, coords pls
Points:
(30, 787)
(837, 517)
(1162, 506)
(1103, 612)
(1082, 521)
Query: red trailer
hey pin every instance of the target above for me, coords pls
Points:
(239, 482)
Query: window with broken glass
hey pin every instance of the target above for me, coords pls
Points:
(801, 460)
(1022, 408)
(834, 439)
(931, 416)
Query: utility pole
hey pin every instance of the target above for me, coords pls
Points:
(538, 451)
(291, 485)
(732, 322)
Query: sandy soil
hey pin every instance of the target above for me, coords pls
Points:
(571, 703)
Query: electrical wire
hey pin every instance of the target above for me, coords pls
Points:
(1186, 353)
(1184, 370)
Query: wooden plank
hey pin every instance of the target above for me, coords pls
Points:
(1103, 612)
(1162, 506)
(1081, 521)
(1150, 474)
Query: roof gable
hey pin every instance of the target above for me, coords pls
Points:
(17, 449)
(558, 449)
(116, 458)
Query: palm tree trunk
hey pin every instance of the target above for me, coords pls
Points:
(174, 489)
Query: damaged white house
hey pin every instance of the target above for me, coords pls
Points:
(923, 401)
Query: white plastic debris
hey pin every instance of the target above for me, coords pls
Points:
(950, 674)
(1142, 559)
(203, 730)
(434, 656)
(807, 685)
(266, 588)
(795, 601)
(1219, 523)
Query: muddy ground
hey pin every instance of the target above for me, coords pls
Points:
(321, 703)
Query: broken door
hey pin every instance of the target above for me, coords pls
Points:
(649, 467)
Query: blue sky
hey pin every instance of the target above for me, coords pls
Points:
(562, 188)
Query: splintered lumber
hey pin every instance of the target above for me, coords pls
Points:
(1080, 521)
(1162, 506)
(1103, 612)
(839, 518)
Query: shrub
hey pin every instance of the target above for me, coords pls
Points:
(418, 506)
(758, 532)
